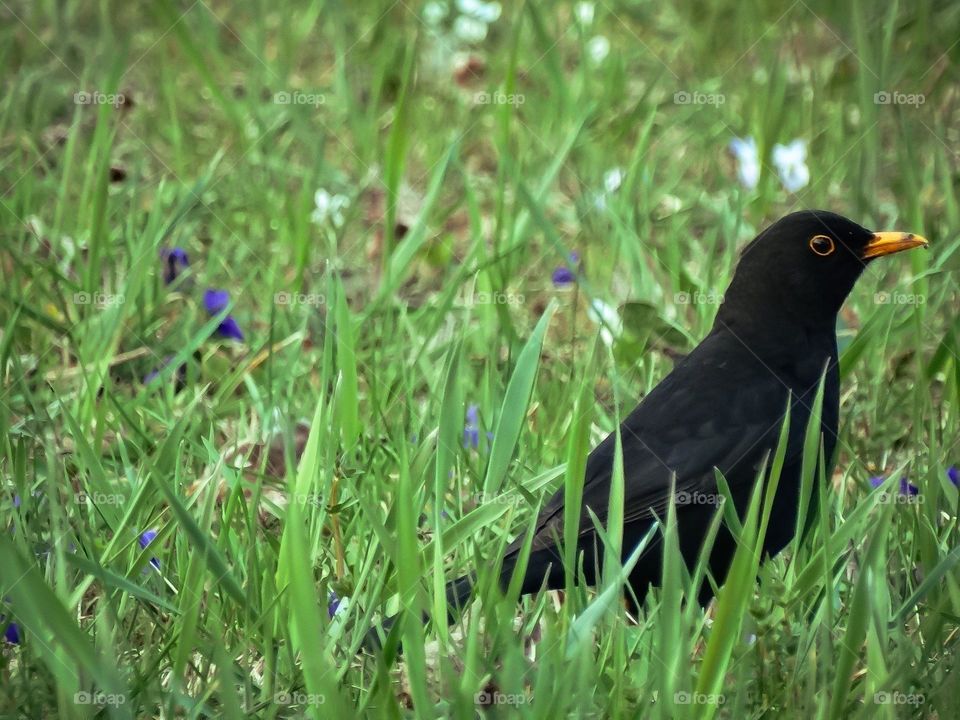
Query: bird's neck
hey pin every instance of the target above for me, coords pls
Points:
(779, 336)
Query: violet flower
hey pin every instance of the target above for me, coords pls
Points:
(12, 633)
(566, 274)
(215, 302)
(146, 538)
(471, 430)
(174, 262)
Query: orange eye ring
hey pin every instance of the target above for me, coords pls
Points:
(822, 245)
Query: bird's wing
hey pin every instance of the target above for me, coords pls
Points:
(717, 409)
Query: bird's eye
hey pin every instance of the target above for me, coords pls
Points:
(822, 245)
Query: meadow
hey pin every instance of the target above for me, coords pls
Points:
(306, 307)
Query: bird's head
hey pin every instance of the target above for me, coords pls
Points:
(804, 265)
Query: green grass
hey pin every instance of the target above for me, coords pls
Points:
(366, 339)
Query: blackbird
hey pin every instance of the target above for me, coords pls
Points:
(722, 408)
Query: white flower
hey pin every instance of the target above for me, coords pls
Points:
(469, 29)
(584, 12)
(485, 12)
(434, 12)
(607, 318)
(612, 179)
(790, 161)
(748, 162)
(598, 48)
(329, 207)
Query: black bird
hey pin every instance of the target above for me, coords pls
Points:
(722, 407)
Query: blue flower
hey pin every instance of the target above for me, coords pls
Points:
(180, 377)
(174, 262)
(744, 150)
(333, 604)
(215, 302)
(147, 537)
(12, 633)
(953, 475)
(876, 481)
(566, 274)
(16, 501)
(471, 430)
(907, 488)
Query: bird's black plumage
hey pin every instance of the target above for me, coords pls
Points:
(722, 407)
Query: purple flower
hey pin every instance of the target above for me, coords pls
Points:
(180, 377)
(566, 274)
(146, 538)
(215, 302)
(333, 604)
(907, 488)
(12, 633)
(471, 430)
(953, 475)
(174, 261)
(16, 500)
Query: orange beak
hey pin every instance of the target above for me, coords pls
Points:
(887, 243)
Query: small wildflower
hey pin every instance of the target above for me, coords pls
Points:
(485, 12)
(16, 501)
(566, 274)
(744, 150)
(607, 318)
(612, 179)
(876, 481)
(329, 207)
(12, 633)
(434, 13)
(333, 604)
(790, 161)
(584, 12)
(953, 475)
(174, 262)
(180, 377)
(215, 301)
(598, 48)
(908, 488)
(469, 29)
(147, 537)
(471, 430)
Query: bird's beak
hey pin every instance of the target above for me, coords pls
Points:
(886, 243)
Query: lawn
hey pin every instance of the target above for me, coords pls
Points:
(307, 307)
